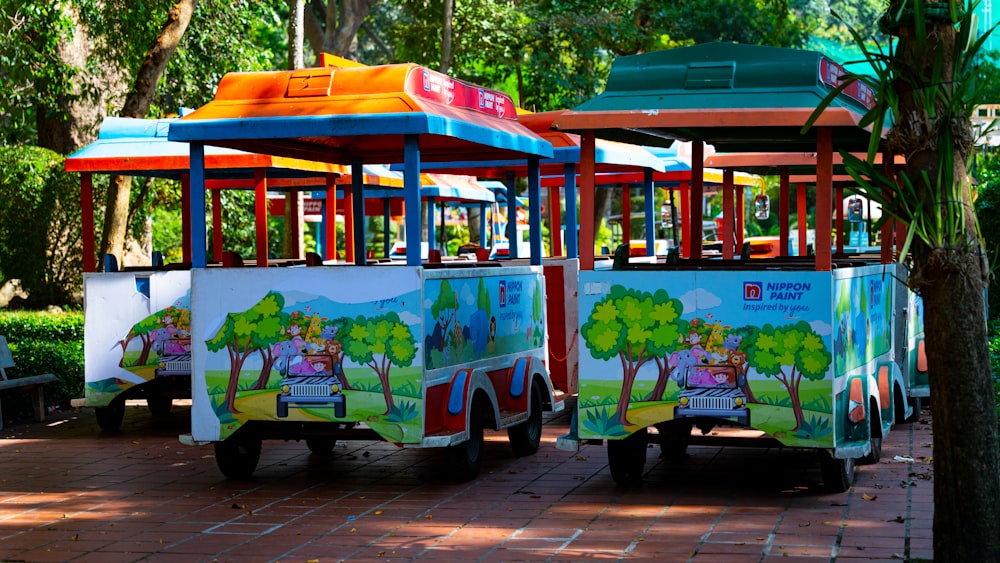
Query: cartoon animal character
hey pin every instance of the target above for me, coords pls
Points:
(683, 361)
(493, 334)
(702, 377)
(434, 340)
(458, 340)
(715, 337)
(732, 342)
(329, 332)
(478, 331)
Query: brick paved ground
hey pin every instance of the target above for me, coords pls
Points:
(69, 492)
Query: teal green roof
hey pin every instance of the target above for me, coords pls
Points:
(736, 97)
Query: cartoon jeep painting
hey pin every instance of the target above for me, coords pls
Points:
(175, 358)
(715, 391)
(311, 381)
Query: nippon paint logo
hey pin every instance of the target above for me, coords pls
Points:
(503, 293)
(753, 291)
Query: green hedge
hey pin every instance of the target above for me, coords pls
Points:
(995, 362)
(44, 343)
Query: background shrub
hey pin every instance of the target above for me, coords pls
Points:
(44, 343)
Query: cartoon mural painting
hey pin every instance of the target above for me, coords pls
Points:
(284, 358)
(303, 356)
(464, 323)
(702, 366)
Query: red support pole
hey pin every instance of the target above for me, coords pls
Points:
(838, 208)
(186, 217)
(217, 225)
(292, 200)
(626, 216)
(587, 154)
(696, 199)
(803, 219)
(349, 225)
(682, 203)
(555, 224)
(784, 212)
(740, 217)
(824, 199)
(330, 220)
(727, 233)
(260, 214)
(87, 221)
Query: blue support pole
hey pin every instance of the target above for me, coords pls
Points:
(411, 197)
(535, 210)
(357, 192)
(431, 225)
(321, 232)
(511, 183)
(386, 219)
(482, 225)
(199, 242)
(647, 191)
(569, 181)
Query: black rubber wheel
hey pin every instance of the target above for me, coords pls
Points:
(917, 405)
(110, 418)
(159, 405)
(465, 459)
(627, 458)
(674, 438)
(875, 454)
(525, 437)
(237, 456)
(321, 445)
(838, 474)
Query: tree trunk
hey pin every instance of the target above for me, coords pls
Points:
(296, 34)
(342, 26)
(602, 204)
(75, 122)
(951, 278)
(137, 105)
(966, 474)
(446, 35)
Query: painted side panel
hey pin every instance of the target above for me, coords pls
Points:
(307, 344)
(132, 321)
(656, 344)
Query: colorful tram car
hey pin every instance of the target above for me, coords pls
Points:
(805, 351)
(420, 354)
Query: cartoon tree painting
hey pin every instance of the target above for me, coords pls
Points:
(788, 353)
(264, 338)
(146, 331)
(246, 333)
(151, 328)
(379, 343)
(636, 327)
(483, 297)
(444, 309)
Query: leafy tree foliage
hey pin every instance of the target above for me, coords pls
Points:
(31, 73)
(988, 212)
(39, 225)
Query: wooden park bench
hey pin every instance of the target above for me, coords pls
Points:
(33, 384)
